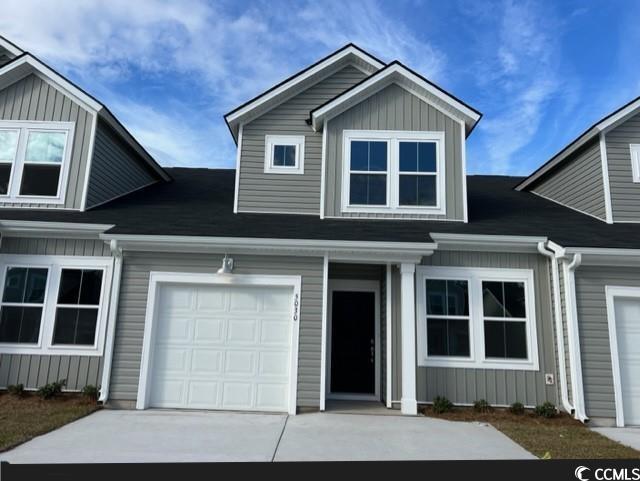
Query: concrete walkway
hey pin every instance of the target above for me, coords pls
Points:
(627, 436)
(111, 436)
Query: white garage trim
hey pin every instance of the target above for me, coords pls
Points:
(612, 292)
(156, 278)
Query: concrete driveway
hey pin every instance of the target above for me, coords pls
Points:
(627, 436)
(113, 436)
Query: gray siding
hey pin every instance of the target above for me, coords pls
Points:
(625, 194)
(565, 332)
(578, 183)
(36, 370)
(116, 169)
(500, 387)
(34, 99)
(133, 301)
(262, 192)
(393, 108)
(594, 333)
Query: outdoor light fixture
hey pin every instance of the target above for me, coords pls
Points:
(227, 265)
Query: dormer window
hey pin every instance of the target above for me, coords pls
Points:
(284, 154)
(34, 161)
(393, 171)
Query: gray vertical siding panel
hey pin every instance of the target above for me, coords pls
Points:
(594, 333)
(133, 301)
(262, 192)
(116, 168)
(33, 99)
(35, 370)
(625, 194)
(393, 108)
(579, 182)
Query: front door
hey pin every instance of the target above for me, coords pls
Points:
(353, 343)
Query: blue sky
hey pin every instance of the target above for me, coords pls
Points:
(541, 72)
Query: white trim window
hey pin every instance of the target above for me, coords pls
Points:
(284, 154)
(54, 304)
(34, 161)
(635, 161)
(386, 171)
(476, 318)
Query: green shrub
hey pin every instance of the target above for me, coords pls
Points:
(482, 406)
(546, 410)
(52, 389)
(16, 389)
(516, 408)
(90, 391)
(442, 405)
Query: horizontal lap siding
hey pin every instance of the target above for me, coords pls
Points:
(36, 370)
(393, 108)
(33, 99)
(594, 333)
(625, 194)
(579, 183)
(498, 386)
(133, 302)
(262, 192)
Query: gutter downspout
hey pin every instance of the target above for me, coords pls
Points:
(555, 279)
(116, 252)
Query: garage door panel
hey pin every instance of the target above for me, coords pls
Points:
(209, 330)
(242, 331)
(240, 363)
(271, 396)
(178, 329)
(277, 302)
(168, 392)
(176, 298)
(244, 300)
(627, 314)
(170, 359)
(273, 364)
(237, 395)
(209, 299)
(206, 362)
(203, 394)
(276, 333)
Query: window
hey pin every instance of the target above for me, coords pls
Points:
(392, 171)
(476, 318)
(635, 161)
(284, 154)
(53, 304)
(34, 160)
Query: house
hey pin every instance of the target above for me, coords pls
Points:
(349, 256)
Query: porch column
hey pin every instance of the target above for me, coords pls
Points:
(409, 405)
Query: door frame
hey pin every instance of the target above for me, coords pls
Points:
(613, 292)
(158, 278)
(354, 285)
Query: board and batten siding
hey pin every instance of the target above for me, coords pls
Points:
(133, 303)
(625, 193)
(33, 370)
(33, 99)
(394, 108)
(295, 193)
(497, 386)
(578, 183)
(116, 169)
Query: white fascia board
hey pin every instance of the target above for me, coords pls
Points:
(25, 228)
(10, 47)
(611, 121)
(606, 256)
(482, 242)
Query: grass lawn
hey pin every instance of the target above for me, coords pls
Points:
(23, 418)
(561, 437)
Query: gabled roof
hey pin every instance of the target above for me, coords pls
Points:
(601, 126)
(350, 54)
(10, 47)
(26, 64)
(399, 74)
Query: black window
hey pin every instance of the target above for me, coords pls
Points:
(505, 325)
(447, 317)
(8, 150)
(417, 174)
(43, 163)
(284, 155)
(368, 177)
(22, 304)
(78, 305)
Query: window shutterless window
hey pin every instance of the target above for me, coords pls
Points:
(284, 154)
(635, 161)
(34, 160)
(22, 306)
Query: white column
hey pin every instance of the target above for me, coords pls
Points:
(409, 405)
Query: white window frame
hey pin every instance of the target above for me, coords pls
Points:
(393, 139)
(17, 169)
(55, 264)
(635, 161)
(475, 276)
(270, 141)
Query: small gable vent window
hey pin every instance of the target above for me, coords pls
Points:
(635, 161)
(34, 161)
(284, 154)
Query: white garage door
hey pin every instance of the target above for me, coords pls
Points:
(222, 347)
(628, 334)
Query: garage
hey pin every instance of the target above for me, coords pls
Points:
(227, 343)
